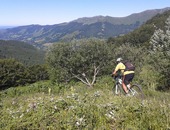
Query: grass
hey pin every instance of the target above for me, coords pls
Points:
(69, 107)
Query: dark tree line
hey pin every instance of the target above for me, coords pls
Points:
(14, 73)
(21, 51)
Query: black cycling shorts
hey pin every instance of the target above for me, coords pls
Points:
(128, 78)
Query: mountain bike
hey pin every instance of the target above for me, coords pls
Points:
(135, 90)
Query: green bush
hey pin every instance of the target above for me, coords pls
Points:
(150, 77)
(12, 73)
(38, 72)
(82, 60)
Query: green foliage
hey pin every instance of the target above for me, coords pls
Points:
(160, 44)
(44, 105)
(161, 63)
(33, 107)
(159, 20)
(142, 35)
(139, 37)
(150, 67)
(148, 47)
(12, 73)
(38, 72)
(67, 61)
(33, 88)
(22, 52)
(150, 77)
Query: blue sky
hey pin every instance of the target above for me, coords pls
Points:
(48, 12)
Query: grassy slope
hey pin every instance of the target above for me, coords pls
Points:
(78, 107)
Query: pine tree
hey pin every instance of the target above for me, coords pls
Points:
(167, 35)
(157, 41)
(160, 41)
(160, 44)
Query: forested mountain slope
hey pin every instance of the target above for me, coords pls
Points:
(21, 51)
(143, 34)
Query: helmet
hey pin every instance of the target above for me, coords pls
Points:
(119, 59)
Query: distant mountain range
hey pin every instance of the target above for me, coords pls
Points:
(5, 27)
(88, 27)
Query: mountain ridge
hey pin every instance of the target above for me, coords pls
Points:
(119, 19)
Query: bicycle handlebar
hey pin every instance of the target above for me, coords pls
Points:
(118, 79)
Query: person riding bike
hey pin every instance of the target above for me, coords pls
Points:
(128, 75)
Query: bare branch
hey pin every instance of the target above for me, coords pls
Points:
(81, 80)
(84, 75)
(84, 78)
(96, 71)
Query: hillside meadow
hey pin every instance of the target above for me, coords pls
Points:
(48, 106)
(62, 102)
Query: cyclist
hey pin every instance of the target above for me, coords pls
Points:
(128, 75)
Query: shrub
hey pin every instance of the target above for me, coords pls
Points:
(12, 73)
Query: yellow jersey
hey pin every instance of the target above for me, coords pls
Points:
(122, 67)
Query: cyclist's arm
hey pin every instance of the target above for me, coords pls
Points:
(120, 67)
(116, 69)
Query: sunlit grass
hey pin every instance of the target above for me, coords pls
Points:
(79, 107)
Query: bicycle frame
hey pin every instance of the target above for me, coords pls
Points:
(118, 86)
(118, 80)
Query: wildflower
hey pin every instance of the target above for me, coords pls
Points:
(32, 105)
(97, 94)
(21, 115)
(49, 91)
(80, 121)
(71, 107)
(55, 107)
(110, 114)
(28, 110)
(13, 102)
(52, 99)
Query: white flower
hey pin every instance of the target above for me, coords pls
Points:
(97, 94)
(28, 110)
(55, 107)
(52, 99)
(21, 115)
(32, 105)
(110, 114)
(80, 121)
(77, 123)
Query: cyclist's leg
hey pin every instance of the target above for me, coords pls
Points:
(124, 84)
(128, 79)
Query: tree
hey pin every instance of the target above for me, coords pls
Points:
(12, 73)
(38, 72)
(82, 60)
(167, 34)
(157, 40)
(160, 40)
(160, 46)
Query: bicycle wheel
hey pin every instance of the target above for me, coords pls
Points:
(136, 91)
